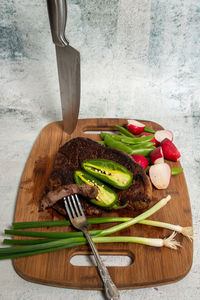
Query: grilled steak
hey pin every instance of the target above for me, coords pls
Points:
(69, 159)
(62, 191)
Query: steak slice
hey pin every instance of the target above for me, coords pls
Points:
(69, 158)
(66, 190)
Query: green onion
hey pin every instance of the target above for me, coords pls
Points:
(30, 253)
(68, 243)
(26, 242)
(135, 220)
(186, 231)
(38, 224)
(27, 248)
(169, 242)
(113, 229)
(56, 235)
(41, 246)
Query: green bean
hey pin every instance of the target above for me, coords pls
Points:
(114, 136)
(148, 129)
(144, 152)
(147, 169)
(142, 145)
(109, 141)
(176, 171)
(101, 143)
(124, 131)
(126, 139)
(137, 140)
(103, 134)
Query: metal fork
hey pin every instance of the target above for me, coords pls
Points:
(79, 221)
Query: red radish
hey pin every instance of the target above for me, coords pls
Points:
(160, 175)
(135, 127)
(148, 133)
(141, 160)
(160, 135)
(169, 150)
(156, 156)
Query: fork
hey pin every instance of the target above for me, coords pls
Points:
(79, 221)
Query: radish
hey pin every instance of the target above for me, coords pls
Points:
(135, 127)
(156, 156)
(160, 175)
(148, 133)
(141, 160)
(160, 135)
(169, 150)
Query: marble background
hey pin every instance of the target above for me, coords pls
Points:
(139, 59)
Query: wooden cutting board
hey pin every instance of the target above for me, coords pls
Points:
(150, 266)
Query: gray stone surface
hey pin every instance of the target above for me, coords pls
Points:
(139, 59)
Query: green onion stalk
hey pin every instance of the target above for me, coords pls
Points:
(14, 252)
(113, 239)
(135, 220)
(55, 235)
(38, 224)
(186, 231)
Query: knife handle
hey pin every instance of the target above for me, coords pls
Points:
(57, 10)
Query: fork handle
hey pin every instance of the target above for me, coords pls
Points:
(109, 286)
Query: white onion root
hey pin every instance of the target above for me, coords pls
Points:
(188, 232)
(170, 242)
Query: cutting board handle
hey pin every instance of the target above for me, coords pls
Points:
(99, 124)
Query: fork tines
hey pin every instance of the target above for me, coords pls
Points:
(73, 206)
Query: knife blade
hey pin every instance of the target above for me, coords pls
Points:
(68, 64)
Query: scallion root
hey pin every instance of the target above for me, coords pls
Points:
(170, 242)
(188, 232)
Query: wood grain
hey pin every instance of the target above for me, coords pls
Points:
(150, 267)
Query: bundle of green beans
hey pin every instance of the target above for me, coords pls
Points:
(127, 142)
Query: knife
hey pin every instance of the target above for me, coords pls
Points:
(68, 63)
